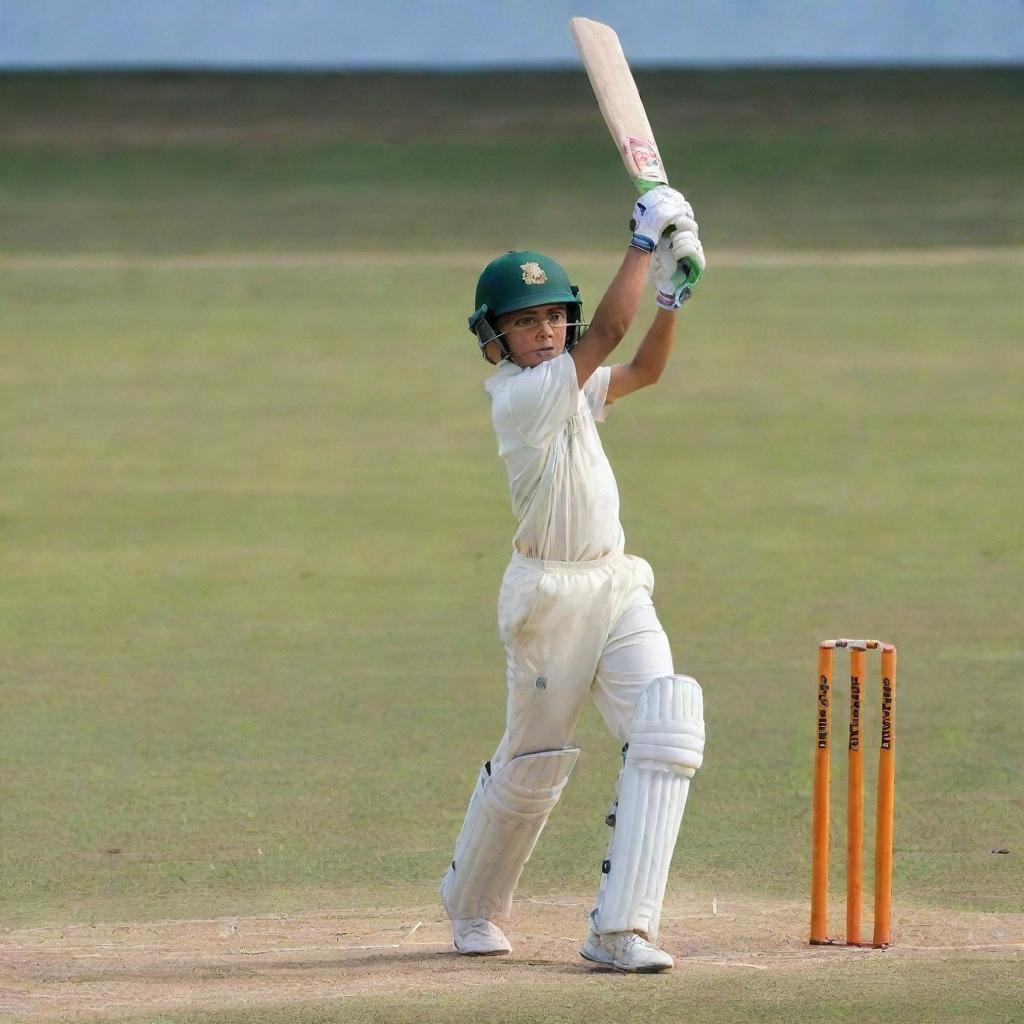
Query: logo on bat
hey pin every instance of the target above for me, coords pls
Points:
(645, 158)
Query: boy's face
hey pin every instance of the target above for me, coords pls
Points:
(534, 335)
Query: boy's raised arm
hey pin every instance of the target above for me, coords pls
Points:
(651, 358)
(613, 316)
(653, 213)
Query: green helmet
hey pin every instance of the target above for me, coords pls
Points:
(518, 280)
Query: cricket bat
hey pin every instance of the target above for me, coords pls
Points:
(624, 113)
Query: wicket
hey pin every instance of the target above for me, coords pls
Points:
(854, 797)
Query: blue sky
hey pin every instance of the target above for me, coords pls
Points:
(472, 33)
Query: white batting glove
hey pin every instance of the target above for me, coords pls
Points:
(676, 265)
(654, 212)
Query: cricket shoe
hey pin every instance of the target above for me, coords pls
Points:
(476, 936)
(624, 951)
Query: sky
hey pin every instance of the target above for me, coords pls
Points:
(453, 34)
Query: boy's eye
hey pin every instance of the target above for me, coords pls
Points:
(532, 321)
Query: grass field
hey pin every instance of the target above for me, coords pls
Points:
(253, 523)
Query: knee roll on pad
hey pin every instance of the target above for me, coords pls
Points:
(666, 747)
(668, 725)
(506, 814)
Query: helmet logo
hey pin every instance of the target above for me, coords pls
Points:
(533, 273)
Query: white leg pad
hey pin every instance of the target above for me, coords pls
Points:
(666, 747)
(505, 817)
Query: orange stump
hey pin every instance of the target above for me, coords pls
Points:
(855, 806)
(854, 796)
(819, 810)
(886, 801)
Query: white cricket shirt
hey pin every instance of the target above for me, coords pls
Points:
(564, 494)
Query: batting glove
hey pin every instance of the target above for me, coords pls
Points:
(655, 211)
(676, 265)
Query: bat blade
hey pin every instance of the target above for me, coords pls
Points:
(620, 103)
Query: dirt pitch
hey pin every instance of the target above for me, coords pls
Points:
(127, 969)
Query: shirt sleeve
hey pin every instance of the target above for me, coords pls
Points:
(596, 392)
(544, 398)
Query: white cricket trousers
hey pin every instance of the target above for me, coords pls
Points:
(571, 629)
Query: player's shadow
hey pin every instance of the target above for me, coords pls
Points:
(206, 968)
(356, 962)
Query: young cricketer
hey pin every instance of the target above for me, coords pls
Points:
(575, 612)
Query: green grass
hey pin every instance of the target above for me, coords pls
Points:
(173, 163)
(253, 523)
(253, 538)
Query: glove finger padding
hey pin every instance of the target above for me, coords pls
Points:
(663, 266)
(684, 223)
(676, 265)
(653, 213)
(686, 246)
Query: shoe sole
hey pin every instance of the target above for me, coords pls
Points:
(653, 969)
(481, 952)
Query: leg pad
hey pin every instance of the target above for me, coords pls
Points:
(666, 747)
(506, 814)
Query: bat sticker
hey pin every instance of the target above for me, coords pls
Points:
(645, 159)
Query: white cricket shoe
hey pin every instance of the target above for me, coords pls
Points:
(476, 936)
(625, 951)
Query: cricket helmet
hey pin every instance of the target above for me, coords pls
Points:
(518, 280)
